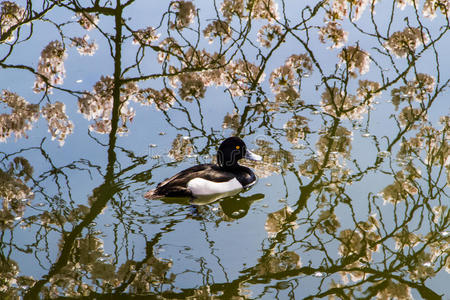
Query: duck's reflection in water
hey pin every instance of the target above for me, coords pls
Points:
(237, 206)
(233, 204)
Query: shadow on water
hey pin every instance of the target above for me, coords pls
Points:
(233, 206)
(352, 197)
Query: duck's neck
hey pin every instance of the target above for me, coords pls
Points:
(229, 167)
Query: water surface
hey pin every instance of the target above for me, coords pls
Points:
(352, 199)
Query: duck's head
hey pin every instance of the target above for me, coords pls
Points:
(231, 151)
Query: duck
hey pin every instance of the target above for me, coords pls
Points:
(227, 177)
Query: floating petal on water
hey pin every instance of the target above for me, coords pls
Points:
(318, 274)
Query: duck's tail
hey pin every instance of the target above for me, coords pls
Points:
(153, 194)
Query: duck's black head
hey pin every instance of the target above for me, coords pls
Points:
(231, 151)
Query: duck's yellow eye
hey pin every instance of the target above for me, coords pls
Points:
(238, 147)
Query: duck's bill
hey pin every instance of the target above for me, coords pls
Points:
(252, 156)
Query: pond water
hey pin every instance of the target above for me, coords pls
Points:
(352, 197)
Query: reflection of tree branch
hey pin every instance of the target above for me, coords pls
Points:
(30, 69)
(230, 289)
(28, 20)
(104, 192)
(149, 253)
